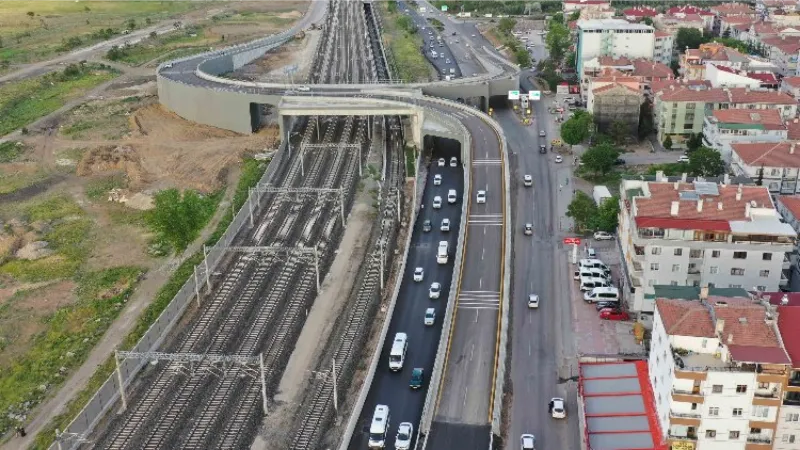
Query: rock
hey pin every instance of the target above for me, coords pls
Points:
(34, 250)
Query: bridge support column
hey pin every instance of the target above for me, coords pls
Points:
(416, 128)
(285, 127)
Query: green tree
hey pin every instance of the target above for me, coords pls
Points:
(506, 25)
(576, 129)
(31, 14)
(557, 41)
(647, 21)
(706, 162)
(645, 119)
(694, 142)
(668, 143)
(523, 58)
(582, 210)
(735, 44)
(607, 217)
(405, 23)
(689, 37)
(533, 8)
(178, 218)
(618, 131)
(574, 16)
(600, 158)
(557, 18)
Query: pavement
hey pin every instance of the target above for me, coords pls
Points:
(431, 43)
(391, 388)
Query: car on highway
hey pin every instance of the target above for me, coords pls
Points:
(430, 316)
(303, 88)
(683, 159)
(473, 35)
(542, 133)
(533, 301)
(613, 314)
(434, 291)
(419, 274)
(437, 202)
(557, 408)
(559, 159)
(453, 162)
(481, 197)
(527, 442)
(440, 162)
(417, 378)
(619, 162)
(542, 149)
(452, 197)
(437, 180)
(445, 224)
(405, 432)
(447, 61)
(603, 236)
(527, 229)
(426, 225)
(527, 180)
(591, 253)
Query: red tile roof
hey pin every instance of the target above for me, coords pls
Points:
(685, 318)
(662, 34)
(791, 81)
(776, 41)
(640, 11)
(682, 19)
(745, 95)
(764, 78)
(586, 2)
(756, 354)
(735, 96)
(769, 154)
(793, 130)
(611, 86)
(744, 326)
(651, 69)
(659, 204)
(688, 9)
(683, 94)
(661, 85)
(732, 8)
(788, 318)
(792, 203)
(769, 118)
(611, 61)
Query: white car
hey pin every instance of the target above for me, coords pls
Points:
(437, 202)
(405, 432)
(453, 162)
(542, 133)
(473, 35)
(527, 442)
(533, 301)
(440, 162)
(603, 236)
(559, 159)
(430, 316)
(591, 253)
(557, 408)
(419, 274)
(683, 159)
(481, 197)
(434, 291)
(437, 180)
(303, 88)
(527, 180)
(445, 225)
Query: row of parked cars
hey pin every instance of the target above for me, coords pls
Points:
(594, 277)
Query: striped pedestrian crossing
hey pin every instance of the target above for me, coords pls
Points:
(486, 162)
(479, 300)
(485, 219)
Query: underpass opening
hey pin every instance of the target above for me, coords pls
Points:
(261, 115)
(438, 147)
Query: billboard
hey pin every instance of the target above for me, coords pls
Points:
(535, 95)
(444, 8)
(513, 95)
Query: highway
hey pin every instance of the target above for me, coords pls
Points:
(392, 388)
(431, 43)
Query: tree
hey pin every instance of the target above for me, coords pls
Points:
(735, 44)
(689, 37)
(607, 217)
(506, 25)
(574, 16)
(557, 41)
(178, 218)
(576, 129)
(557, 18)
(582, 210)
(618, 131)
(31, 14)
(694, 142)
(645, 119)
(533, 8)
(668, 143)
(706, 162)
(523, 58)
(600, 158)
(647, 21)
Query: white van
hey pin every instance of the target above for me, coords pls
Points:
(442, 252)
(398, 353)
(585, 272)
(379, 427)
(602, 294)
(589, 283)
(451, 196)
(594, 264)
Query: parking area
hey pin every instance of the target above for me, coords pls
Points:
(592, 334)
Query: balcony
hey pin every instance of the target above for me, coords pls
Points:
(693, 396)
(794, 381)
(766, 394)
(690, 415)
(688, 437)
(765, 440)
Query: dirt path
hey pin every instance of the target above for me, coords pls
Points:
(153, 280)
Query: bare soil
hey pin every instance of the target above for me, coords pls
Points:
(272, 66)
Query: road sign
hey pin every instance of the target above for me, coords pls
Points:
(535, 95)
(444, 8)
(574, 241)
(513, 95)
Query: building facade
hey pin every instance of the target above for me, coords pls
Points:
(776, 163)
(613, 37)
(724, 127)
(615, 102)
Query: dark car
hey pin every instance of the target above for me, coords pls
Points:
(604, 305)
(619, 162)
(542, 149)
(417, 377)
(426, 226)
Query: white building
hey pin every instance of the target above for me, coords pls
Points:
(717, 367)
(721, 76)
(724, 127)
(787, 435)
(699, 234)
(613, 37)
(779, 162)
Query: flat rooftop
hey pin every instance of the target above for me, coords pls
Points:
(618, 407)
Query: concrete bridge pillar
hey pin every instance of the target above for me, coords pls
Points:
(417, 119)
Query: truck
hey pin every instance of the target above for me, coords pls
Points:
(600, 194)
(442, 253)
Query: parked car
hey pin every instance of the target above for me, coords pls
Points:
(434, 291)
(419, 274)
(683, 159)
(426, 226)
(613, 314)
(542, 149)
(619, 162)
(542, 133)
(603, 236)
(430, 316)
(603, 305)
(417, 378)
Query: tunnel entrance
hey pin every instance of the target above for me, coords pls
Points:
(261, 115)
(438, 147)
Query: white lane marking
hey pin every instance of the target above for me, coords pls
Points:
(479, 299)
(464, 404)
(480, 283)
(483, 253)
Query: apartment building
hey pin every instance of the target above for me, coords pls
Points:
(724, 127)
(693, 62)
(718, 370)
(787, 435)
(570, 6)
(791, 86)
(789, 208)
(779, 162)
(638, 13)
(664, 47)
(613, 37)
(615, 102)
(782, 51)
(699, 234)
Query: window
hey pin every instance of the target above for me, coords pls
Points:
(761, 411)
(695, 253)
(761, 288)
(763, 385)
(741, 388)
(733, 435)
(737, 271)
(676, 267)
(793, 417)
(678, 252)
(787, 439)
(763, 273)
(715, 253)
(655, 251)
(653, 266)
(713, 411)
(704, 343)
(694, 406)
(739, 255)
(735, 286)
(766, 257)
(737, 412)
(711, 433)
(713, 270)
(673, 283)
(716, 389)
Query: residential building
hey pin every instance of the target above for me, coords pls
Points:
(699, 234)
(762, 99)
(791, 85)
(724, 127)
(638, 13)
(787, 435)
(650, 71)
(726, 11)
(570, 6)
(782, 51)
(718, 369)
(687, 10)
(664, 47)
(693, 62)
(615, 102)
(613, 37)
(721, 76)
(779, 162)
(789, 208)
(671, 24)
(605, 77)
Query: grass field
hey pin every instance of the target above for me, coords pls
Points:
(405, 48)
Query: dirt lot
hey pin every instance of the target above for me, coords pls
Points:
(271, 66)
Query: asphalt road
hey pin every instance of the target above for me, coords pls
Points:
(391, 388)
(429, 35)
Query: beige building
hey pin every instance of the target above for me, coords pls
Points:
(615, 102)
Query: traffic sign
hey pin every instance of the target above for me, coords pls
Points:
(535, 95)
(513, 95)
(574, 241)
(444, 8)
